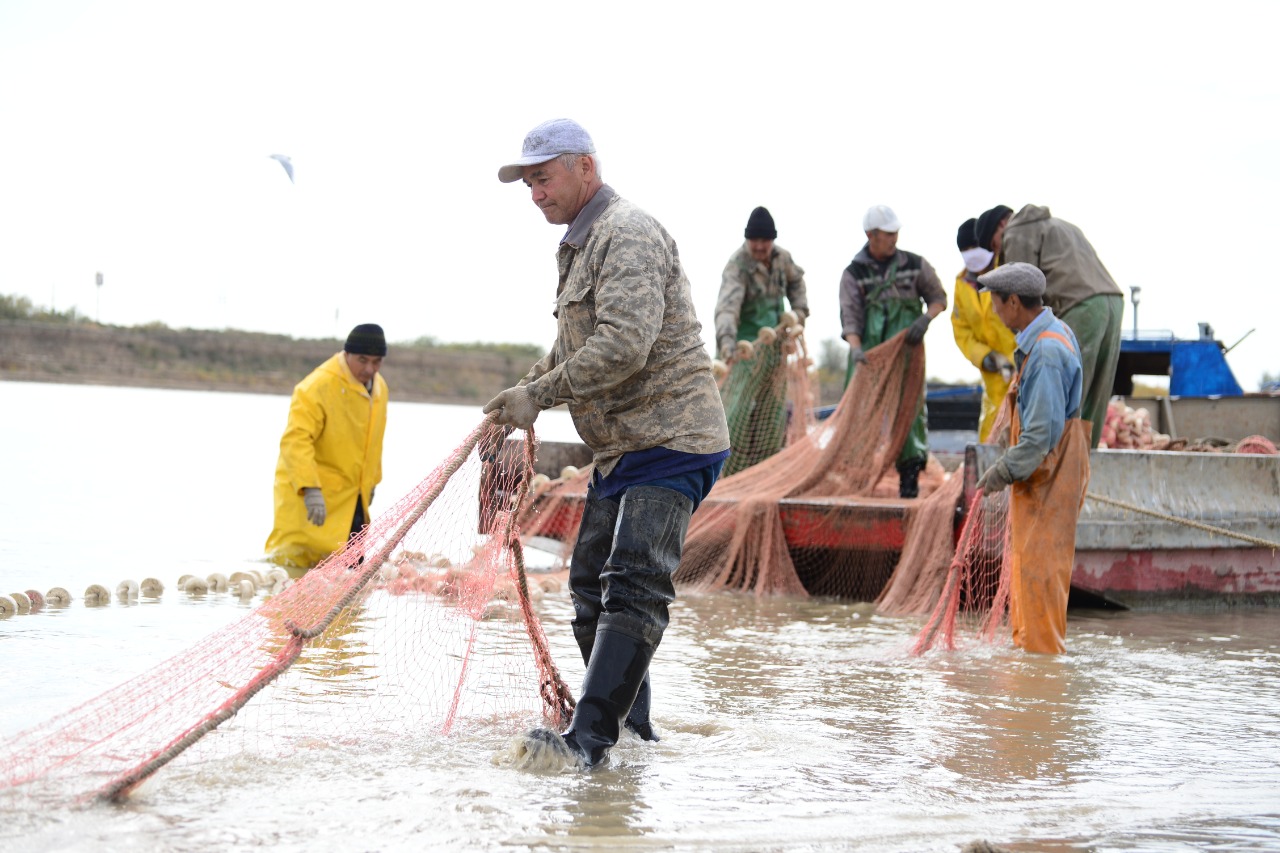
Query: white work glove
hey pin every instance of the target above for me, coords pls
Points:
(996, 479)
(515, 407)
(728, 350)
(315, 505)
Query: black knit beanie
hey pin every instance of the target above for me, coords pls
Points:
(760, 226)
(366, 339)
(967, 236)
(988, 222)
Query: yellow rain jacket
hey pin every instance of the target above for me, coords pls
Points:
(978, 331)
(334, 441)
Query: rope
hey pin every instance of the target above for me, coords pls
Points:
(1199, 525)
(119, 788)
(555, 694)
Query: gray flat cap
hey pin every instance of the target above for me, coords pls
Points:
(1022, 279)
(546, 142)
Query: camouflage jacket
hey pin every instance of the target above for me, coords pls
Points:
(746, 281)
(628, 359)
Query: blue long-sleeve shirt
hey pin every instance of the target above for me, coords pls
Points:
(1048, 392)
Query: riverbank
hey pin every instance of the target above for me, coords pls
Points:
(196, 359)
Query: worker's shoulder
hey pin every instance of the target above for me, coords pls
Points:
(1057, 336)
(783, 256)
(913, 261)
(327, 373)
(624, 220)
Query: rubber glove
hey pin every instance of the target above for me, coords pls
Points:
(915, 332)
(996, 479)
(515, 407)
(995, 362)
(315, 505)
(857, 356)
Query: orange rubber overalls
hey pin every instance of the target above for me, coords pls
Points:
(1043, 511)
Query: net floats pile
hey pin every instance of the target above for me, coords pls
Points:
(244, 585)
(435, 574)
(788, 329)
(1126, 428)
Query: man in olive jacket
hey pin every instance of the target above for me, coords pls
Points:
(1079, 289)
(630, 363)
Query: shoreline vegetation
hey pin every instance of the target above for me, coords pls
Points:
(44, 346)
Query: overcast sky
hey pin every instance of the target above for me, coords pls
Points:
(135, 141)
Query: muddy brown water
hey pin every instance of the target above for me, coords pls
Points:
(787, 724)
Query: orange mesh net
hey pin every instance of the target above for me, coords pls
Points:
(821, 514)
(811, 518)
(767, 398)
(437, 617)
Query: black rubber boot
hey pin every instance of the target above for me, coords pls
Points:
(619, 663)
(638, 717)
(909, 477)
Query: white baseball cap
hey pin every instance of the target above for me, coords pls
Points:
(881, 218)
(546, 142)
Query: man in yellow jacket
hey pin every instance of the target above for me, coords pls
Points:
(331, 452)
(982, 337)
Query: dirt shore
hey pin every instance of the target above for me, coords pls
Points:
(235, 361)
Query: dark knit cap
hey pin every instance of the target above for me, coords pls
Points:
(967, 236)
(988, 222)
(760, 226)
(366, 339)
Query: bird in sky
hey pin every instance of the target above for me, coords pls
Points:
(284, 160)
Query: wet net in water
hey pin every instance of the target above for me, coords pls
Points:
(820, 514)
(421, 625)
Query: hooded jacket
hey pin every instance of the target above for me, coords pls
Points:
(333, 441)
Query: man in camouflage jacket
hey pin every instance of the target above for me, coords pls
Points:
(755, 280)
(758, 277)
(629, 362)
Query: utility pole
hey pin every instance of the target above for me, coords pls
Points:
(98, 305)
(1134, 298)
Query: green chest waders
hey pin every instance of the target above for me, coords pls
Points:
(886, 317)
(754, 398)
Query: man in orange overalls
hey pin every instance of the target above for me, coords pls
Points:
(1047, 459)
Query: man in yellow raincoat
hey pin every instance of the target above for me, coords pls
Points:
(1047, 459)
(984, 340)
(331, 452)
